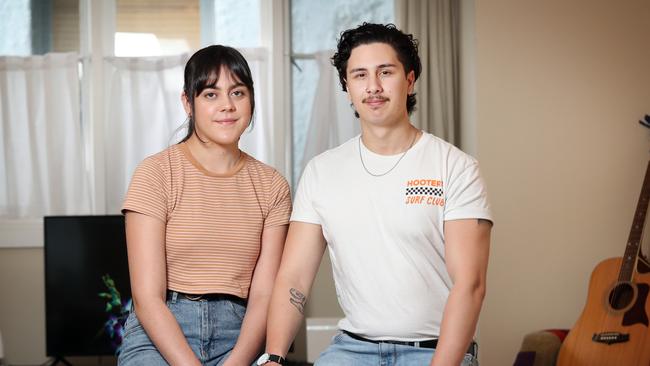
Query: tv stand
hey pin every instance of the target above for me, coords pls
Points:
(57, 360)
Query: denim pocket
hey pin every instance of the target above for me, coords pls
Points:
(132, 324)
(238, 309)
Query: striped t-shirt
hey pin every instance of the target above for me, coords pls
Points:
(214, 223)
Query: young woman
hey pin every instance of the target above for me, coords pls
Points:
(205, 226)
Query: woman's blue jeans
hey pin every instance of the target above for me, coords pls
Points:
(211, 328)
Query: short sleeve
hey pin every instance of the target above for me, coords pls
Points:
(279, 203)
(466, 196)
(147, 192)
(303, 207)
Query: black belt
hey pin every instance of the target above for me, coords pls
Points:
(204, 297)
(431, 343)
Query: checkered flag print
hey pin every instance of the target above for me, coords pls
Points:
(424, 191)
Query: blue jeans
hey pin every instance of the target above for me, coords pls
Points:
(211, 328)
(345, 350)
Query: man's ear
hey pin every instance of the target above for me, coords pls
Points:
(410, 78)
(347, 91)
(186, 104)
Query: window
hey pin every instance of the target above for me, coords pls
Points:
(156, 28)
(315, 26)
(169, 27)
(275, 33)
(38, 27)
(15, 28)
(236, 23)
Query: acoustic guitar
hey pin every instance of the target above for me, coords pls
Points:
(613, 328)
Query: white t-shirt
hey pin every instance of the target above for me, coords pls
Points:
(385, 234)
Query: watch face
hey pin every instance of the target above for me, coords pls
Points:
(263, 359)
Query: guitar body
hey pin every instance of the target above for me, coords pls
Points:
(614, 311)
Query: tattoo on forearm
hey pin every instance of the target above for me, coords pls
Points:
(298, 300)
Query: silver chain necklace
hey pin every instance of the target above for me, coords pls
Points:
(393, 167)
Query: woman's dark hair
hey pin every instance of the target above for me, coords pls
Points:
(202, 72)
(404, 45)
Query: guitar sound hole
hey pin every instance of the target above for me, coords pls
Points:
(621, 296)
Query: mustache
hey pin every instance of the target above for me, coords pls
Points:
(374, 98)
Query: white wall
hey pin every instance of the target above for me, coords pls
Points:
(560, 88)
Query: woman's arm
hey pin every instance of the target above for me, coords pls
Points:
(253, 330)
(145, 237)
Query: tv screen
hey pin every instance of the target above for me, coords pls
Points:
(87, 289)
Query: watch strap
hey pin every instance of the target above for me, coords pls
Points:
(276, 358)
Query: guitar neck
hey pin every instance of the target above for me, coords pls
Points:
(636, 232)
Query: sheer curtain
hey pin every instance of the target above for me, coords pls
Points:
(435, 23)
(332, 119)
(41, 145)
(145, 115)
(258, 139)
(144, 109)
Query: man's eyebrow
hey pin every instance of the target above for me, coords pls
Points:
(358, 69)
(382, 66)
(386, 65)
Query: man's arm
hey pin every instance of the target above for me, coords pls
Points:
(302, 255)
(467, 246)
(253, 330)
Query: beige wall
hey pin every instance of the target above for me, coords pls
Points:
(22, 305)
(560, 87)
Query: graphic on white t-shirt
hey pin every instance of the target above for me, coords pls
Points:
(425, 192)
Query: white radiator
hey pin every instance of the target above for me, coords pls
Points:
(319, 335)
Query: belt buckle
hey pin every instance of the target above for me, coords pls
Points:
(193, 297)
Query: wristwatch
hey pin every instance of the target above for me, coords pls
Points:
(267, 357)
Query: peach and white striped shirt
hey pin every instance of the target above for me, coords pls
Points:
(214, 223)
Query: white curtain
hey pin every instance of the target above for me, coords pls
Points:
(258, 140)
(435, 24)
(143, 110)
(41, 140)
(145, 114)
(41, 146)
(332, 119)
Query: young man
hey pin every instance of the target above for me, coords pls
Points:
(405, 217)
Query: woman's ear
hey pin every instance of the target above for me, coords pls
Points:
(186, 104)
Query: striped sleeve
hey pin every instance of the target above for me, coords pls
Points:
(279, 202)
(147, 192)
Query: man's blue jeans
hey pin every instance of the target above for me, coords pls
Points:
(211, 327)
(345, 350)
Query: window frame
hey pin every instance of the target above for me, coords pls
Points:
(97, 21)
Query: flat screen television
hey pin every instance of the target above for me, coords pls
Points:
(87, 289)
